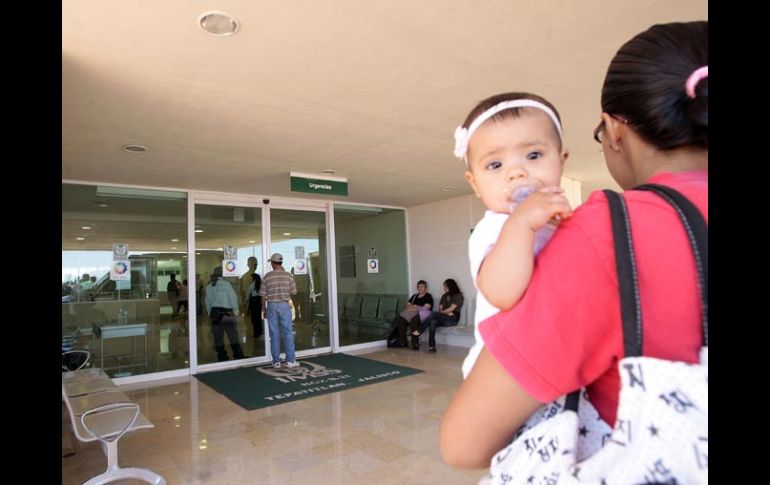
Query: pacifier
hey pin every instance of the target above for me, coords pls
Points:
(521, 192)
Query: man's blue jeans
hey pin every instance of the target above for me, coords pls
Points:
(279, 316)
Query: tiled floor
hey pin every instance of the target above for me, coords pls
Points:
(385, 433)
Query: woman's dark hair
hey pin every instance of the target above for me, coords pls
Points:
(645, 84)
(452, 288)
(422, 282)
(216, 273)
(508, 113)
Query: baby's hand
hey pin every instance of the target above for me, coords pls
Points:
(543, 205)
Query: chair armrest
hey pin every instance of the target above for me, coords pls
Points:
(106, 421)
(72, 352)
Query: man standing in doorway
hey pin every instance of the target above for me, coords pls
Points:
(277, 288)
(245, 282)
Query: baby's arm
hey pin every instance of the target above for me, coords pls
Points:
(505, 272)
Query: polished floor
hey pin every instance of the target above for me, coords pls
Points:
(385, 433)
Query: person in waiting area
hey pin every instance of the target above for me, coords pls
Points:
(222, 306)
(245, 283)
(184, 298)
(410, 317)
(172, 293)
(254, 310)
(511, 144)
(277, 288)
(448, 315)
(302, 298)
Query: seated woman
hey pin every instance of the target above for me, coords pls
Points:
(448, 315)
(422, 300)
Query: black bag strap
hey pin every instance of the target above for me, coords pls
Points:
(630, 308)
(697, 232)
(628, 284)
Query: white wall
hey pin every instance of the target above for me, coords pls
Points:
(438, 240)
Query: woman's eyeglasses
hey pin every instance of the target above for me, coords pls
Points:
(599, 131)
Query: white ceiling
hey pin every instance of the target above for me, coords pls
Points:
(371, 89)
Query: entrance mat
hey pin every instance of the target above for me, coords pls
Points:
(263, 386)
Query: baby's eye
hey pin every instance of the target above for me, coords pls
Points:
(494, 165)
(534, 155)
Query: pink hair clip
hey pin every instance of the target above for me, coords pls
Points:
(694, 79)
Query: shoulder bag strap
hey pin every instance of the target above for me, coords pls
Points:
(697, 232)
(628, 284)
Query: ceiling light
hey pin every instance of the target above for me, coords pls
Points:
(447, 188)
(173, 247)
(199, 230)
(252, 242)
(218, 23)
(287, 234)
(86, 227)
(80, 238)
(175, 240)
(135, 148)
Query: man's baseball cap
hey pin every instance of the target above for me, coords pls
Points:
(276, 258)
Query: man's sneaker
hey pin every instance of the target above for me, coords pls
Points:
(277, 365)
(292, 364)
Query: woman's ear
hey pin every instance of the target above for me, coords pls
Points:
(613, 131)
(563, 155)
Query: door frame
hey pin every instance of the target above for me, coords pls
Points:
(265, 203)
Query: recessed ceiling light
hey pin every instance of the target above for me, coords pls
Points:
(218, 23)
(99, 203)
(287, 234)
(329, 171)
(135, 148)
(175, 240)
(86, 227)
(199, 230)
(197, 254)
(252, 242)
(173, 247)
(447, 188)
(80, 238)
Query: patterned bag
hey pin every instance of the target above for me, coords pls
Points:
(661, 431)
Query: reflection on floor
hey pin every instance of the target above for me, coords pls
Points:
(385, 433)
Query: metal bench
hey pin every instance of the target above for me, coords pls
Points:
(100, 411)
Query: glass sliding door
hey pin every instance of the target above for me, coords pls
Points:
(228, 238)
(300, 236)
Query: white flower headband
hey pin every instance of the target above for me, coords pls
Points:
(463, 135)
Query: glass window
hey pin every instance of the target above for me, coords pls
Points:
(371, 271)
(121, 250)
